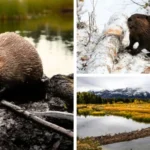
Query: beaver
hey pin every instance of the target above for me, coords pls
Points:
(139, 27)
(19, 61)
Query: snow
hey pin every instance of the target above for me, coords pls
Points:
(145, 94)
(125, 92)
(109, 14)
(131, 64)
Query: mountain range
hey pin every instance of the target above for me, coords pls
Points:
(123, 93)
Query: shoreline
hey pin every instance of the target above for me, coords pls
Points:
(121, 137)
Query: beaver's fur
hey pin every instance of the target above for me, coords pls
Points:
(139, 27)
(19, 61)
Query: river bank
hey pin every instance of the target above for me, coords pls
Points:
(121, 137)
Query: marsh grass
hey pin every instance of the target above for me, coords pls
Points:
(85, 111)
(138, 112)
(88, 144)
(98, 113)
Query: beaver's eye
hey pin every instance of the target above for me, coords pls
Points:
(137, 17)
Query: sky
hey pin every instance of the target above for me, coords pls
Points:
(106, 8)
(100, 83)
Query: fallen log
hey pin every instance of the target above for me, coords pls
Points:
(108, 45)
(38, 120)
(121, 137)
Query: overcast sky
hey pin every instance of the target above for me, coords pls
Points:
(105, 8)
(99, 83)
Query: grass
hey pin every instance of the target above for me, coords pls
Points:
(88, 144)
(137, 111)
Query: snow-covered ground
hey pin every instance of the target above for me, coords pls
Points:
(123, 61)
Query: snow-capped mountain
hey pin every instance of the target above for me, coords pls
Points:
(123, 93)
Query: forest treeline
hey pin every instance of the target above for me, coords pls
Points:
(91, 98)
(32, 9)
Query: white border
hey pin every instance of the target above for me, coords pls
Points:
(75, 76)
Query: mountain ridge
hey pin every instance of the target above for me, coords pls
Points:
(123, 93)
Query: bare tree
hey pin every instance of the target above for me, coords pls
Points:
(92, 21)
(144, 5)
(80, 11)
(137, 3)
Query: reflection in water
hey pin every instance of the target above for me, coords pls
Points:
(139, 144)
(56, 57)
(52, 39)
(51, 35)
(56, 53)
(96, 126)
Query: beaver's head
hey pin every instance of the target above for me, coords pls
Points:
(138, 23)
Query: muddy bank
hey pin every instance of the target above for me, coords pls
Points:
(121, 137)
(18, 133)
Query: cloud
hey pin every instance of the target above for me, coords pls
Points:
(99, 83)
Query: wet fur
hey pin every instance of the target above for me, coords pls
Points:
(139, 27)
(19, 61)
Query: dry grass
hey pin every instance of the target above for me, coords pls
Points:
(137, 111)
(88, 144)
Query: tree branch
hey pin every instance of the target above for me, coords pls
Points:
(55, 114)
(137, 3)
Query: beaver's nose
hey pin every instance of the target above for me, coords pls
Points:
(129, 19)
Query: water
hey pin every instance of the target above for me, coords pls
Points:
(52, 35)
(139, 144)
(96, 126)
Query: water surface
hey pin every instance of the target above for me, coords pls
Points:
(139, 144)
(96, 126)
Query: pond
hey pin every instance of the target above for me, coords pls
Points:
(50, 32)
(139, 144)
(96, 126)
